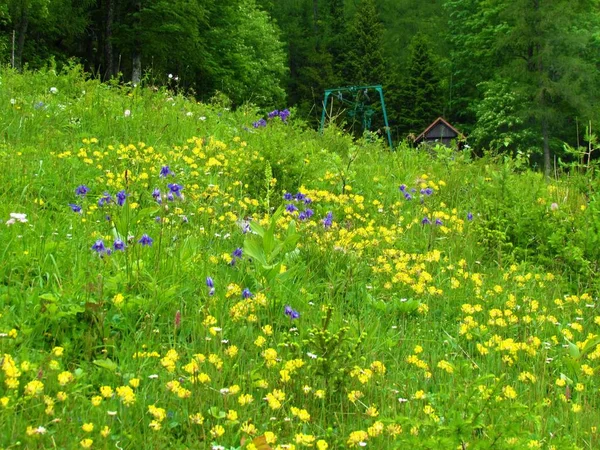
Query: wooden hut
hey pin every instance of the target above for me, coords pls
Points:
(439, 132)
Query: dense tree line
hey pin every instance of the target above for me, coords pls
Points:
(515, 75)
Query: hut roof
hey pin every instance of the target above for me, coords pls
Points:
(444, 123)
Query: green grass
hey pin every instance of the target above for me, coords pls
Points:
(474, 333)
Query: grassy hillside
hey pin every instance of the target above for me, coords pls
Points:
(177, 275)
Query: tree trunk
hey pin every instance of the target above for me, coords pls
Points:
(136, 73)
(108, 47)
(547, 161)
(21, 32)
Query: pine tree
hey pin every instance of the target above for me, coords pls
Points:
(365, 63)
(421, 94)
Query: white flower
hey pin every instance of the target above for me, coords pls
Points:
(53, 90)
(13, 101)
(127, 113)
(40, 430)
(311, 355)
(202, 118)
(16, 217)
(189, 114)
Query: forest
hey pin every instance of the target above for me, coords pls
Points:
(515, 76)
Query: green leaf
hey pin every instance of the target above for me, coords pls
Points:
(106, 364)
(253, 249)
(217, 413)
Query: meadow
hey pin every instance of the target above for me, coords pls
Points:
(184, 275)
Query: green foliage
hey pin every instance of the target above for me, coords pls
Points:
(501, 125)
(459, 331)
(268, 251)
(422, 96)
(365, 64)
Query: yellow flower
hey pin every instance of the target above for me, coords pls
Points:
(231, 351)
(306, 440)
(158, 413)
(372, 411)
(357, 438)
(86, 443)
(88, 427)
(197, 418)
(34, 387)
(58, 351)
(118, 300)
(106, 391)
(61, 396)
(249, 428)
(217, 431)
(96, 400)
(285, 375)
(322, 445)
(232, 415)
(105, 431)
(65, 378)
(245, 399)
(134, 382)
(509, 392)
(4, 401)
(270, 437)
(126, 394)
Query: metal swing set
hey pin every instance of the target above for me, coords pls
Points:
(359, 106)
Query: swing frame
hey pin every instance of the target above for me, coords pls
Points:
(354, 90)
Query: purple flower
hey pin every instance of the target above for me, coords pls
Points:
(439, 222)
(165, 171)
(328, 220)
(82, 190)
(170, 196)
(175, 189)
(119, 245)
(260, 123)
(402, 187)
(99, 246)
(427, 191)
(75, 208)
(426, 221)
(309, 213)
(146, 240)
(291, 208)
(247, 294)
(300, 196)
(272, 114)
(104, 200)
(237, 253)
(290, 312)
(407, 196)
(209, 282)
(121, 197)
(156, 195)
(302, 216)
(283, 115)
(469, 216)
(307, 201)
(288, 196)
